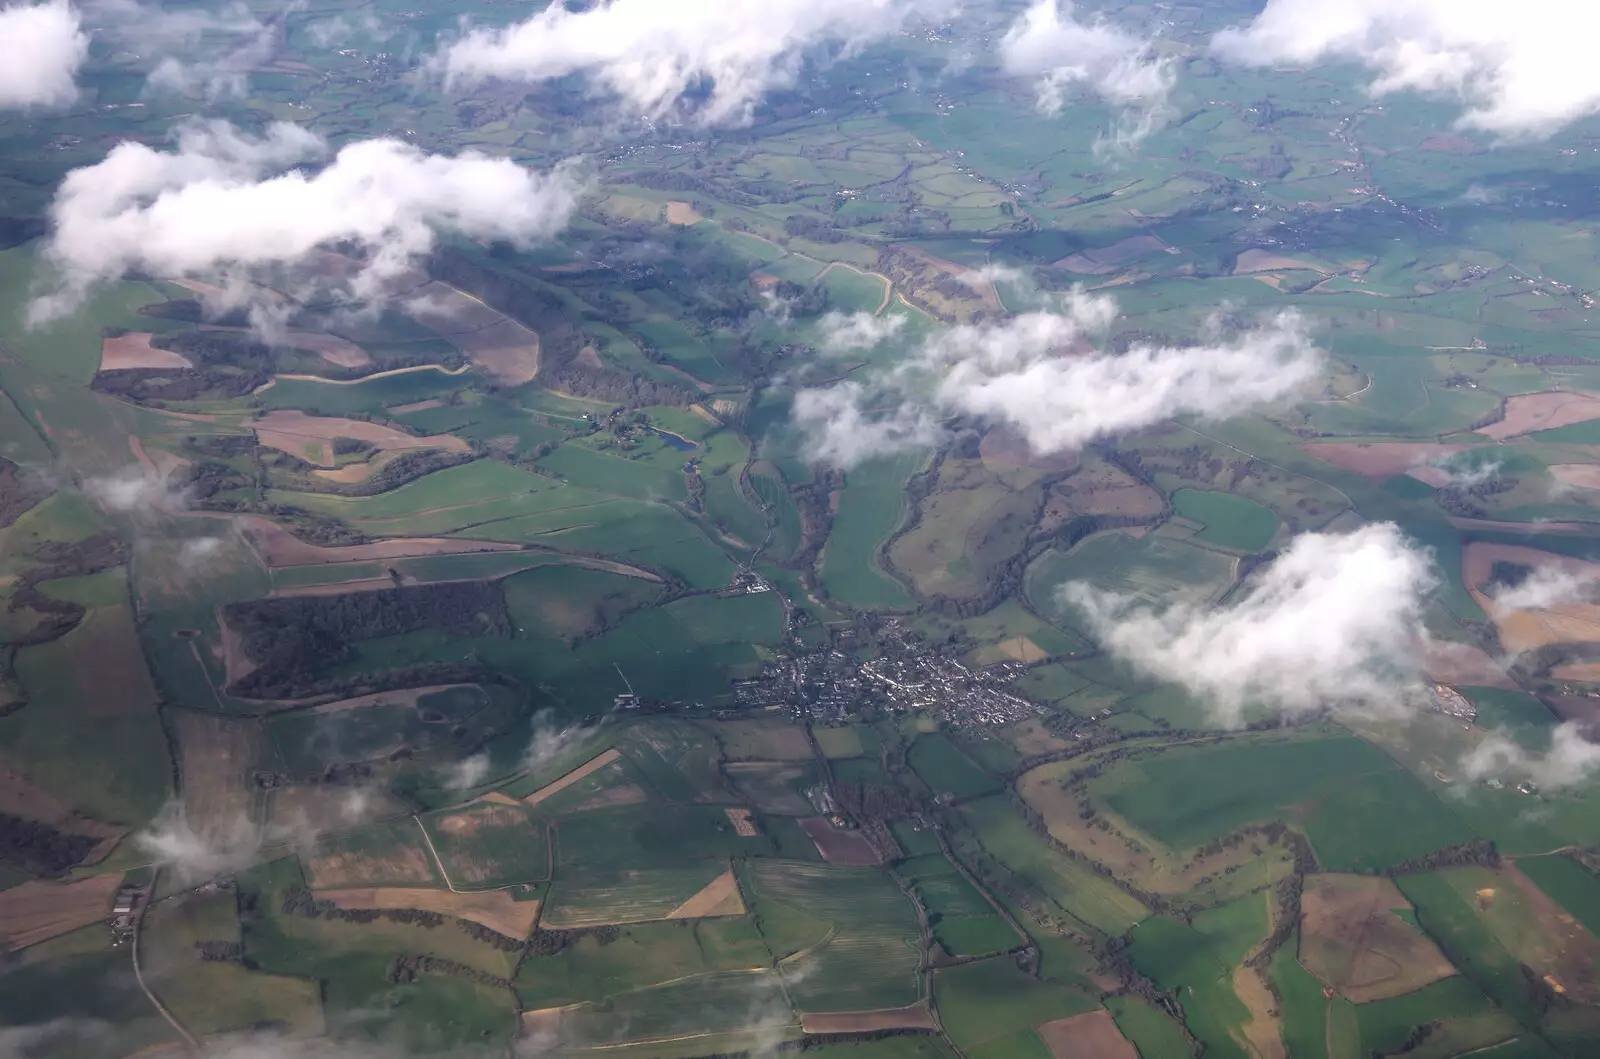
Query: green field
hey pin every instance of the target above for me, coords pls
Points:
(1354, 829)
(1230, 521)
(945, 768)
(871, 506)
(1569, 884)
(1187, 796)
(992, 999)
(846, 939)
(1076, 891)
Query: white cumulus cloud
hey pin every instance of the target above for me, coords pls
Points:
(647, 54)
(43, 45)
(1545, 587)
(1523, 69)
(1335, 621)
(1570, 759)
(223, 201)
(1050, 45)
(1039, 374)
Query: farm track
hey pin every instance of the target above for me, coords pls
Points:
(138, 973)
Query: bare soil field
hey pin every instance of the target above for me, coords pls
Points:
(35, 911)
(1105, 259)
(1351, 938)
(1577, 475)
(1522, 630)
(236, 665)
(1031, 737)
(133, 350)
(839, 847)
(1092, 1035)
(20, 798)
(501, 347)
(1381, 459)
(720, 897)
(311, 437)
(1264, 1031)
(1101, 490)
(1521, 527)
(911, 1017)
(1580, 672)
(506, 351)
(766, 740)
(216, 758)
(416, 406)
(398, 863)
(1004, 449)
(1528, 412)
(1560, 948)
(743, 825)
(1019, 649)
(1459, 663)
(562, 783)
(359, 471)
(681, 213)
(401, 697)
(278, 547)
(497, 909)
(321, 807)
(1259, 260)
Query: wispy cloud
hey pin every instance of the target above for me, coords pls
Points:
(1051, 45)
(1569, 760)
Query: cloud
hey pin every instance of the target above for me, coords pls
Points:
(1521, 69)
(1334, 621)
(1571, 759)
(842, 431)
(222, 201)
(1038, 373)
(549, 741)
(467, 773)
(200, 50)
(44, 46)
(649, 55)
(198, 550)
(1048, 44)
(852, 332)
(1545, 587)
(135, 490)
(172, 842)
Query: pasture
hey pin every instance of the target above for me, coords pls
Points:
(869, 508)
(1187, 796)
(1230, 521)
(392, 853)
(489, 843)
(584, 896)
(846, 939)
(1150, 569)
(1073, 890)
(945, 769)
(982, 1002)
(1567, 883)
(1355, 936)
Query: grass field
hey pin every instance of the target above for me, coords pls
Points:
(1187, 796)
(585, 896)
(846, 939)
(870, 507)
(1075, 890)
(1567, 883)
(1450, 920)
(944, 768)
(1153, 1033)
(1354, 829)
(89, 733)
(1230, 521)
(489, 844)
(1176, 956)
(642, 955)
(981, 1002)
